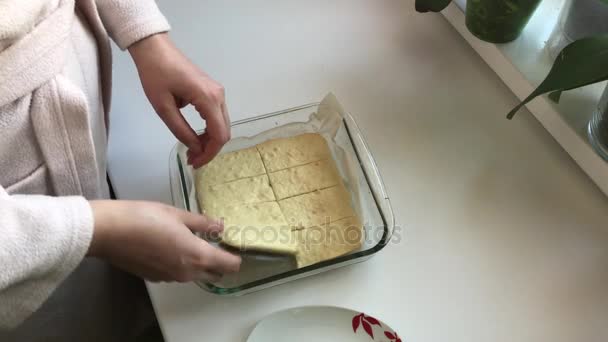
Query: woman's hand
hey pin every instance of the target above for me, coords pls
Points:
(171, 82)
(155, 242)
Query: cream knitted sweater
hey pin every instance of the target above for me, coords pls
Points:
(52, 158)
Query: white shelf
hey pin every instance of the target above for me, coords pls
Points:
(522, 65)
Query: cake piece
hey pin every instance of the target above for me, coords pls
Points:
(283, 153)
(325, 242)
(305, 178)
(318, 207)
(259, 227)
(266, 192)
(231, 166)
(246, 190)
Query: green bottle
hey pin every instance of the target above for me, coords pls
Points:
(499, 21)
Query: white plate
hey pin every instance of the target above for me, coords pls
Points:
(321, 323)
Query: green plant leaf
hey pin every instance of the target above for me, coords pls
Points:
(582, 62)
(423, 6)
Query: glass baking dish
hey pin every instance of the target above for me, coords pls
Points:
(355, 163)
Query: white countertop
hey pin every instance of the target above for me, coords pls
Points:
(504, 238)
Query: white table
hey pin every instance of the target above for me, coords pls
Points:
(504, 238)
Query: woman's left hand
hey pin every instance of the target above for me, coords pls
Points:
(171, 81)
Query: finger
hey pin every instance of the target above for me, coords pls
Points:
(211, 148)
(217, 260)
(203, 140)
(200, 223)
(217, 128)
(190, 154)
(214, 118)
(226, 115)
(173, 118)
(208, 143)
(202, 256)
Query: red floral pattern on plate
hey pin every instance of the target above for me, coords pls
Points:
(392, 336)
(367, 322)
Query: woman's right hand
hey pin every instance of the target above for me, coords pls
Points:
(155, 241)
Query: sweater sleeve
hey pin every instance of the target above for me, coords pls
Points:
(42, 240)
(129, 21)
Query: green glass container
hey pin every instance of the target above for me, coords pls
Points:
(499, 21)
